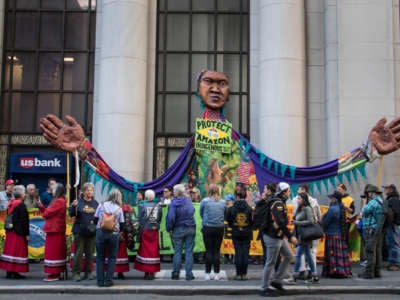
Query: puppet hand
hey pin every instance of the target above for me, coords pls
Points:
(385, 138)
(63, 136)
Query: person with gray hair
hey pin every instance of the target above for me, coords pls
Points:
(148, 255)
(31, 196)
(84, 231)
(14, 258)
(182, 226)
(108, 239)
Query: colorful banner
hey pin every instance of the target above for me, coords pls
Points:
(213, 135)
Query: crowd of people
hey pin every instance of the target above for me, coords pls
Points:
(102, 228)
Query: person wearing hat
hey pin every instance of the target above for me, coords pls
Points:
(274, 234)
(336, 257)
(373, 218)
(392, 236)
(6, 195)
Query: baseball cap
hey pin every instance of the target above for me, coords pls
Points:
(229, 197)
(282, 186)
(9, 182)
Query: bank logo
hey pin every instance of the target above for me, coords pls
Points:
(31, 162)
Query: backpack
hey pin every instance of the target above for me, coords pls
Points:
(384, 212)
(108, 222)
(261, 213)
(263, 216)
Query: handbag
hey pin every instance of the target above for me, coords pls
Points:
(87, 229)
(310, 232)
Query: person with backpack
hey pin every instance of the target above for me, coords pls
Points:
(260, 214)
(110, 218)
(239, 218)
(14, 258)
(275, 231)
(148, 255)
(392, 236)
(373, 218)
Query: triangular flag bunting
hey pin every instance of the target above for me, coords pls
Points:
(269, 163)
(318, 183)
(283, 169)
(355, 175)
(292, 171)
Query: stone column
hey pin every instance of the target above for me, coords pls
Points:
(362, 79)
(280, 75)
(119, 114)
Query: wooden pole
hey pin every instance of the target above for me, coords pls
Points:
(380, 169)
(68, 181)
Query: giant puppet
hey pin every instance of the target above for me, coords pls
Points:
(219, 154)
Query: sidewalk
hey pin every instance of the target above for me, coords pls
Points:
(135, 284)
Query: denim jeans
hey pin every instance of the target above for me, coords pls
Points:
(275, 247)
(242, 248)
(110, 240)
(306, 251)
(393, 244)
(183, 236)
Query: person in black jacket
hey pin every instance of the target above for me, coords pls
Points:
(274, 233)
(392, 227)
(15, 252)
(84, 230)
(239, 218)
(260, 215)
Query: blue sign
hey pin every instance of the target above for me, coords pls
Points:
(39, 162)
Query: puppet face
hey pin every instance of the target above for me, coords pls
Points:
(214, 89)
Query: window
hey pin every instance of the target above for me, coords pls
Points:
(193, 35)
(48, 63)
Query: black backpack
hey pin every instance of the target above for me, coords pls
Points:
(262, 213)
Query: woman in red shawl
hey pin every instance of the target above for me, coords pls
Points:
(15, 252)
(55, 249)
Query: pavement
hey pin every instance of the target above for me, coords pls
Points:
(164, 285)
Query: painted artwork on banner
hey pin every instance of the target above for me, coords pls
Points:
(213, 135)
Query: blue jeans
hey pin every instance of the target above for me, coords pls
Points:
(306, 250)
(109, 240)
(392, 244)
(183, 235)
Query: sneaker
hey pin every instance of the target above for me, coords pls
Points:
(237, 277)
(277, 285)
(364, 263)
(76, 277)
(90, 276)
(291, 280)
(108, 283)
(190, 277)
(269, 293)
(217, 276)
(207, 277)
(314, 279)
(52, 277)
(245, 277)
